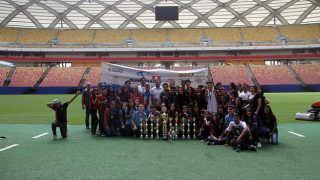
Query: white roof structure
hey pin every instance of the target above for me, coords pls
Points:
(127, 14)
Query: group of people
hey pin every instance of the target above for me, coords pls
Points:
(240, 116)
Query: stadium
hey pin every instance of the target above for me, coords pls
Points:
(53, 49)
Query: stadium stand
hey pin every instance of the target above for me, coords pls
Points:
(184, 68)
(270, 75)
(149, 35)
(259, 34)
(9, 34)
(63, 77)
(37, 35)
(227, 74)
(111, 36)
(223, 35)
(3, 74)
(76, 36)
(26, 76)
(191, 36)
(299, 32)
(94, 76)
(309, 73)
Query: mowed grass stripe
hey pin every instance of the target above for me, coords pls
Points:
(31, 109)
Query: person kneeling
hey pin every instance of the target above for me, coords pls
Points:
(238, 133)
(61, 116)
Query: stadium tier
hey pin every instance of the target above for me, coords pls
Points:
(94, 76)
(269, 35)
(309, 73)
(259, 34)
(227, 74)
(75, 36)
(111, 36)
(41, 36)
(63, 77)
(299, 32)
(269, 75)
(26, 76)
(9, 35)
(3, 74)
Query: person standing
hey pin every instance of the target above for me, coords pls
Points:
(86, 103)
(211, 98)
(61, 116)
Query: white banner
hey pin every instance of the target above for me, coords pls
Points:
(117, 74)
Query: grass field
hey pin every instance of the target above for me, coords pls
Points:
(82, 156)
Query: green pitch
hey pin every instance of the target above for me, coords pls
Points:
(82, 156)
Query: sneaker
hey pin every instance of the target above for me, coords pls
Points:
(87, 127)
(210, 143)
(54, 137)
(238, 149)
(259, 145)
(252, 148)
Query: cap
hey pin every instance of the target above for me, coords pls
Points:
(56, 101)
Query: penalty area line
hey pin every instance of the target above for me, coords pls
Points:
(9, 147)
(37, 136)
(294, 133)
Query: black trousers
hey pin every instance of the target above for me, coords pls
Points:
(94, 121)
(87, 117)
(101, 123)
(62, 126)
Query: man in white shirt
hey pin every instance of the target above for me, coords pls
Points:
(156, 91)
(141, 87)
(239, 140)
(211, 98)
(245, 94)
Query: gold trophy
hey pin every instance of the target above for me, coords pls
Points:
(141, 128)
(164, 118)
(146, 129)
(188, 130)
(151, 126)
(170, 128)
(157, 127)
(194, 128)
(183, 136)
(176, 124)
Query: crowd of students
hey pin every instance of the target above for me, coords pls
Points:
(239, 116)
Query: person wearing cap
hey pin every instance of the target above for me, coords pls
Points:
(61, 116)
(86, 103)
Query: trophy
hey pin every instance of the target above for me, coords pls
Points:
(157, 127)
(188, 128)
(151, 125)
(141, 128)
(170, 127)
(183, 135)
(194, 128)
(176, 125)
(164, 118)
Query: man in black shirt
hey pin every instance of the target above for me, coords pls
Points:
(61, 116)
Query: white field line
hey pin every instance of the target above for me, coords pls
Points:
(294, 133)
(9, 147)
(37, 136)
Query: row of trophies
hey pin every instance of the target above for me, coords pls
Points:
(151, 127)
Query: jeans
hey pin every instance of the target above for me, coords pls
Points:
(62, 126)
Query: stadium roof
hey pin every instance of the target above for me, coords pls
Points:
(95, 14)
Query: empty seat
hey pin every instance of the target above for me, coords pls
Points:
(63, 77)
(309, 73)
(228, 74)
(94, 76)
(26, 76)
(3, 74)
(268, 75)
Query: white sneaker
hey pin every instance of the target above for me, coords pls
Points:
(259, 145)
(54, 137)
